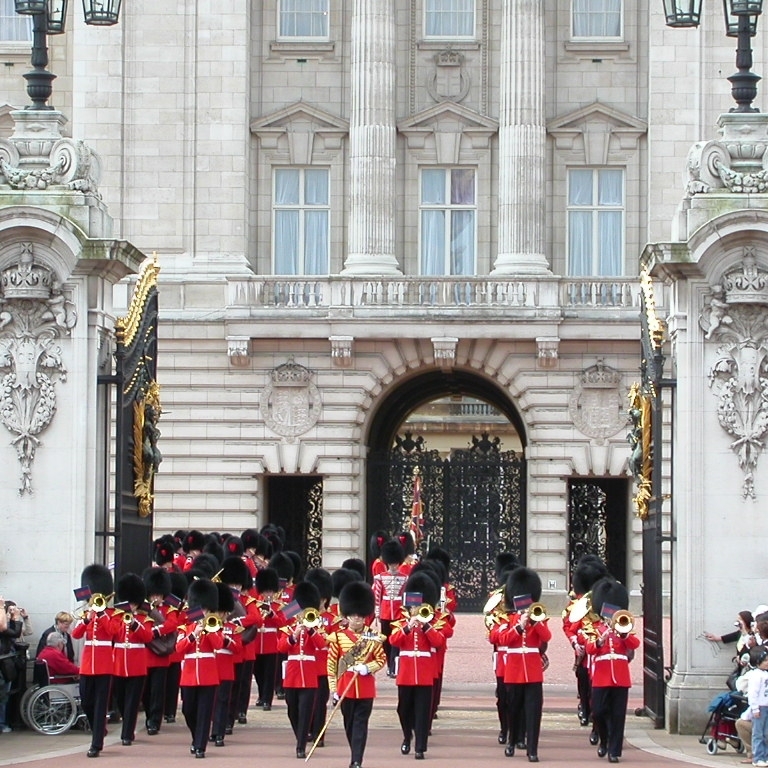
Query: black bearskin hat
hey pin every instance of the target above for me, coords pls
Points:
(98, 578)
(207, 564)
(407, 542)
(376, 543)
(179, 584)
(194, 540)
(283, 565)
(296, 560)
(248, 537)
(233, 547)
(522, 581)
(505, 562)
(213, 548)
(356, 599)
(275, 535)
(234, 571)
(425, 584)
(442, 556)
(130, 589)
(156, 581)
(267, 580)
(392, 552)
(586, 573)
(226, 598)
(323, 580)
(203, 593)
(608, 591)
(307, 595)
(178, 539)
(164, 552)
(433, 569)
(341, 577)
(355, 564)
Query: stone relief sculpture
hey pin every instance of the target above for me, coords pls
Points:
(34, 314)
(596, 405)
(291, 404)
(737, 319)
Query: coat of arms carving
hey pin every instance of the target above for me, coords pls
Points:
(290, 404)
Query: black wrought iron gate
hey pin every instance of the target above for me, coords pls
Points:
(473, 506)
(137, 456)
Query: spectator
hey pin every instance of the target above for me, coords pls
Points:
(27, 624)
(11, 616)
(743, 636)
(60, 668)
(61, 624)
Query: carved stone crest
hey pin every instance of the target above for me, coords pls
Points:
(290, 404)
(34, 314)
(596, 405)
(449, 80)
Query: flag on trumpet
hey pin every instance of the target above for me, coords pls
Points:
(82, 593)
(417, 511)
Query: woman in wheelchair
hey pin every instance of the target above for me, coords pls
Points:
(60, 668)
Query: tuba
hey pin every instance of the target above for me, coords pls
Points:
(622, 622)
(212, 623)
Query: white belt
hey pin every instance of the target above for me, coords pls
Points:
(225, 652)
(131, 645)
(610, 657)
(300, 657)
(415, 653)
(98, 642)
(387, 597)
(503, 648)
(198, 655)
(523, 649)
(267, 629)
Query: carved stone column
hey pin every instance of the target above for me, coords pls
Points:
(372, 141)
(522, 140)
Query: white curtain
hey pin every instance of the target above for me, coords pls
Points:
(596, 18)
(433, 242)
(304, 18)
(610, 192)
(580, 223)
(287, 185)
(462, 242)
(13, 26)
(449, 18)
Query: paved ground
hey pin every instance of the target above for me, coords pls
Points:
(464, 734)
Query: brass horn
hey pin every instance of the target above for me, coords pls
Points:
(622, 622)
(580, 608)
(425, 613)
(310, 618)
(537, 612)
(127, 618)
(98, 602)
(212, 623)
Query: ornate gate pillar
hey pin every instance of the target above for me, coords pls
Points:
(58, 263)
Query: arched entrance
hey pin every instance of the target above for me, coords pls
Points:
(472, 484)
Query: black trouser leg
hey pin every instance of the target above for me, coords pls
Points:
(356, 714)
(319, 707)
(583, 688)
(128, 691)
(172, 679)
(405, 710)
(422, 701)
(501, 706)
(221, 708)
(94, 698)
(197, 707)
(609, 710)
(154, 696)
(264, 672)
(241, 694)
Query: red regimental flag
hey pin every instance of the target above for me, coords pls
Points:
(417, 512)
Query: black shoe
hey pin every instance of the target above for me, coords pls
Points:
(520, 745)
(242, 719)
(199, 754)
(280, 695)
(583, 720)
(613, 759)
(268, 707)
(301, 754)
(509, 750)
(602, 751)
(92, 752)
(218, 742)
(533, 758)
(593, 738)
(259, 702)
(152, 731)
(228, 730)
(170, 719)
(126, 742)
(419, 755)
(192, 750)
(355, 765)
(502, 737)
(405, 748)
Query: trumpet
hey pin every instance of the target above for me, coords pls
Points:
(622, 622)
(98, 602)
(425, 613)
(212, 623)
(127, 618)
(310, 618)
(537, 612)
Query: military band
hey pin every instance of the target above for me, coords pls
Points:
(332, 630)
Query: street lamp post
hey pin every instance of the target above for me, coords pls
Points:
(741, 23)
(49, 18)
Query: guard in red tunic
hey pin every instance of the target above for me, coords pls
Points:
(191, 547)
(133, 630)
(300, 642)
(165, 615)
(265, 667)
(96, 662)
(388, 590)
(610, 652)
(198, 640)
(375, 544)
(355, 654)
(415, 634)
(178, 593)
(526, 640)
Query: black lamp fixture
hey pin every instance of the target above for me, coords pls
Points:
(49, 18)
(741, 23)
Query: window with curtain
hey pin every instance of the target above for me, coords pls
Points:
(595, 222)
(13, 26)
(449, 18)
(303, 18)
(448, 217)
(596, 18)
(301, 221)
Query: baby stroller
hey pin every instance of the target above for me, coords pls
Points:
(720, 729)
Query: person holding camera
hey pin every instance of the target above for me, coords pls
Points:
(13, 624)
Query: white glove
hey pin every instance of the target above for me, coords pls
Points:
(361, 669)
(336, 698)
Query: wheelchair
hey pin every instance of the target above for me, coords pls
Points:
(49, 707)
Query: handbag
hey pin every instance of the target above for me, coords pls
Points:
(9, 670)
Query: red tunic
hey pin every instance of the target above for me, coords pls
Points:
(610, 661)
(388, 593)
(198, 663)
(369, 652)
(169, 625)
(99, 634)
(131, 645)
(252, 619)
(266, 635)
(230, 652)
(300, 668)
(416, 664)
(523, 662)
